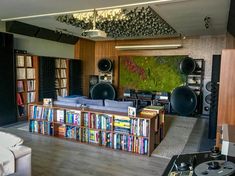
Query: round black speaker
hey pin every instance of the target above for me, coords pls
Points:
(105, 65)
(188, 66)
(209, 86)
(183, 100)
(103, 90)
(208, 99)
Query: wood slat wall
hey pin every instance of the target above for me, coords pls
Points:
(85, 50)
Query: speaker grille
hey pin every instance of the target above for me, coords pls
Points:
(103, 91)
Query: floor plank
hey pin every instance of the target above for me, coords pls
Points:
(56, 157)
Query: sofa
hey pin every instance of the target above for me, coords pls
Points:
(15, 158)
(81, 101)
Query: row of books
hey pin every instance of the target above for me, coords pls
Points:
(20, 62)
(41, 113)
(42, 127)
(139, 127)
(60, 73)
(68, 116)
(101, 121)
(30, 85)
(22, 73)
(31, 97)
(130, 143)
(85, 135)
(63, 92)
(122, 124)
(60, 63)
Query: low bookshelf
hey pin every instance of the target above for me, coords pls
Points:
(111, 130)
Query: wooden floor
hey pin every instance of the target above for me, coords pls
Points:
(56, 157)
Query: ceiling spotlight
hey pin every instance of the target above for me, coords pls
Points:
(207, 21)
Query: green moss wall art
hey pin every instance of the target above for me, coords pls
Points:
(159, 73)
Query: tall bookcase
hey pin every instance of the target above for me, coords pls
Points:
(62, 75)
(110, 130)
(26, 82)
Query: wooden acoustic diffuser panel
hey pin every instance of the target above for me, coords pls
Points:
(226, 104)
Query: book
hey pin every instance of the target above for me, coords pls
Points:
(30, 73)
(20, 61)
(20, 86)
(29, 61)
(154, 108)
(20, 73)
(131, 111)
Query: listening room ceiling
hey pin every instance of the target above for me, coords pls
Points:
(168, 18)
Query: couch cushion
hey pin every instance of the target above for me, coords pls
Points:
(118, 104)
(65, 103)
(67, 99)
(88, 102)
(9, 140)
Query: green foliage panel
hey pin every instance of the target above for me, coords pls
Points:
(151, 73)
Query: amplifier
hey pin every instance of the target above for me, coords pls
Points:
(129, 93)
(162, 96)
(144, 95)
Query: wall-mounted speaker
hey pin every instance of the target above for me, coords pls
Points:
(93, 80)
(188, 66)
(206, 97)
(103, 91)
(105, 65)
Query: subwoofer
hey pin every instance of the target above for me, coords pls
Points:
(93, 80)
(207, 86)
(103, 91)
(188, 66)
(183, 100)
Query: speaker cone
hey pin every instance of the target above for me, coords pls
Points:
(183, 100)
(188, 66)
(105, 65)
(208, 99)
(209, 86)
(103, 90)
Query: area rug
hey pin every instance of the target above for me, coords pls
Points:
(179, 130)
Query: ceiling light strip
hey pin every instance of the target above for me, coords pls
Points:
(89, 10)
(150, 47)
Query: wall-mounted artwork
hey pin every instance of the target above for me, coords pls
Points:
(158, 73)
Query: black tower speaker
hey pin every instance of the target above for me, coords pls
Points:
(75, 77)
(93, 80)
(7, 80)
(46, 78)
(103, 91)
(215, 78)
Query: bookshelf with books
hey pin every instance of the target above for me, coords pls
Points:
(62, 72)
(26, 82)
(101, 128)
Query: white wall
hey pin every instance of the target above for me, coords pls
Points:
(41, 47)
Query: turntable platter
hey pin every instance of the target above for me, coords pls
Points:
(215, 168)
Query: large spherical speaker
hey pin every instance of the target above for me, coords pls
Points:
(105, 65)
(183, 100)
(188, 66)
(103, 90)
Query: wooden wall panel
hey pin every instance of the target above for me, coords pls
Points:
(85, 50)
(196, 47)
(226, 104)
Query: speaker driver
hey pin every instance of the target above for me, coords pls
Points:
(105, 65)
(183, 100)
(103, 90)
(208, 99)
(209, 86)
(188, 66)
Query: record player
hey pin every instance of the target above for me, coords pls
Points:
(213, 163)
